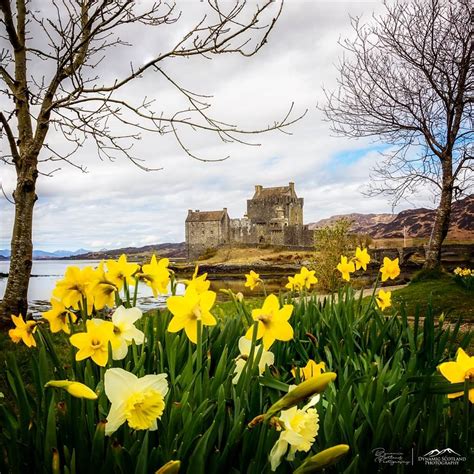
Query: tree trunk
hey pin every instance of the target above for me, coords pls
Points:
(15, 300)
(442, 221)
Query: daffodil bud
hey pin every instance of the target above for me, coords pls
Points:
(171, 467)
(55, 463)
(323, 459)
(76, 389)
(302, 391)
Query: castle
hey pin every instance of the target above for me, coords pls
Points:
(274, 217)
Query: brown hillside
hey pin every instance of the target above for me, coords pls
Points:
(418, 222)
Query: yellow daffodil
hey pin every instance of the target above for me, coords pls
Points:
(253, 280)
(76, 389)
(389, 269)
(120, 271)
(312, 369)
(346, 268)
(138, 401)
(156, 275)
(94, 343)
(59, 317)
(190, 308)
(384, 299)
(72, 289)
(101, 291)
(302, 280)
(125, 331)
(459, 371)
(294, 283)
(245, 346)
(307, 278)
(199, 283)
(362, 258)
(300, 428)
(272, 322)
(23, 331)
(458, 271)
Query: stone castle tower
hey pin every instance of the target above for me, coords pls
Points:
(274, 217)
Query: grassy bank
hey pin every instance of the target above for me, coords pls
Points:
(442, 294)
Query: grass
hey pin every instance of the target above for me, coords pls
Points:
(444, 295)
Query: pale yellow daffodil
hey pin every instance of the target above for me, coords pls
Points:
(245, 346)
(138, 401)
(125, 331)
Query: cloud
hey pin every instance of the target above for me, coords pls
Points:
(117, 204)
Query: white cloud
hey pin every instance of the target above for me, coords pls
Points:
(116, 204)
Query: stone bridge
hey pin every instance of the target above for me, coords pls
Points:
(453, 254)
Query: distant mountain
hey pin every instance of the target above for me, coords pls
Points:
(170, 250)
(41, 254)
(417, 222)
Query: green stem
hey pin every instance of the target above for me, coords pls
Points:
(135, 292)
(264, 288)
(466, 415)
(126, 293)
(247, 371)
(199, 360)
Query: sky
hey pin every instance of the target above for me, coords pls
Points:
(116, 204)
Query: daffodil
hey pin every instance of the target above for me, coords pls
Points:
(101, 291)
(346, 268)
(252, 280)
(272, 322)
(312, 369)
(156, 275)
(94, 343)
(138, 401)
(59, 317)
(72, 289)
(245, 346)
(307, 278)
(300, 428)
(199, 283)
(362, 258)
(23, 331)
(389, 269)
(124, 331)
(294, 283)
(121, 271)
(76, 389)
(459, 371)
(190, 308)
(384, 299)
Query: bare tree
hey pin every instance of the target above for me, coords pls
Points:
(50, 78)
(407, 78)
